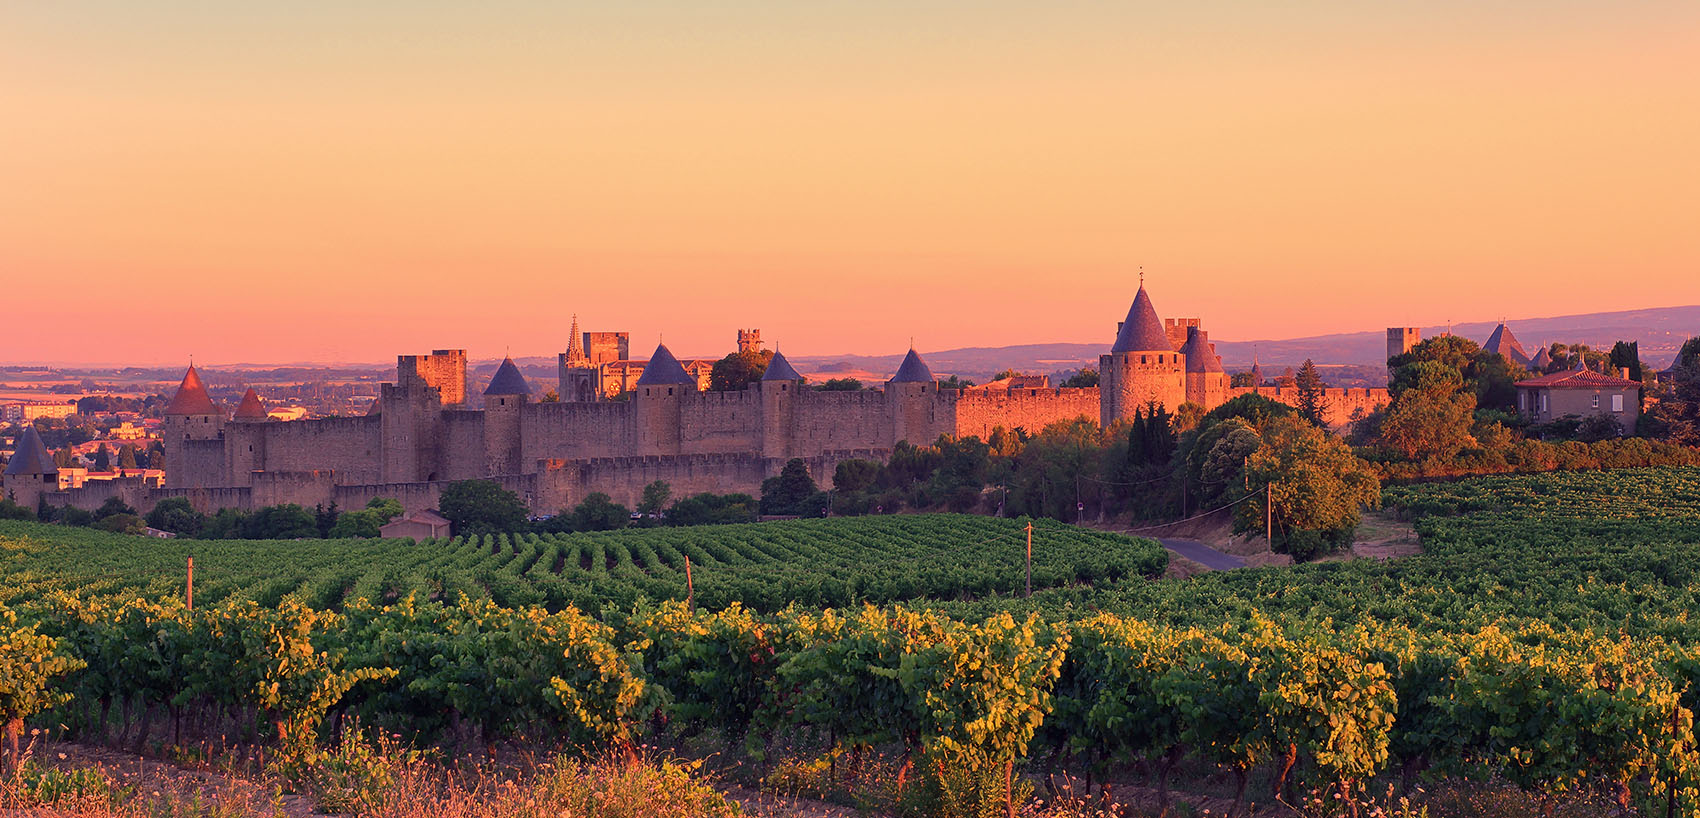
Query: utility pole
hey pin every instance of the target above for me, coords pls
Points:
(189, 595)
(1269, 514)
(1029, 557)
(690, 587)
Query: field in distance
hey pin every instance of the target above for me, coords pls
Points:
(765, 566)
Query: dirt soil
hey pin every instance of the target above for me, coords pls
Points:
(1382, 536)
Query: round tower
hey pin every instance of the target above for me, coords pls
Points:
(910, 396)
(193, 429)
(779, 387)
(1206, 381)
(1142, 367)
(660, 391)
(245, 438)
(504, 400)
(30, 473)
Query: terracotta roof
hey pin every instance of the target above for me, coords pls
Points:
(31, 456)
(1504, 343)
(913, 370)
(1143, 330)
(191, 397)
(663, 369)
(780, 369)
(1199, 356)
(1579, 379)
(508, 380)
(251, 408)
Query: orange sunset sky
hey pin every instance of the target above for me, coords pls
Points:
(340, 181)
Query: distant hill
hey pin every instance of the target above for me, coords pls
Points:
(1356, 356)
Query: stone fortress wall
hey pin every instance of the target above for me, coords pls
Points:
(422, 434)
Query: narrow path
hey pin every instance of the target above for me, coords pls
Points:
(1202, 554)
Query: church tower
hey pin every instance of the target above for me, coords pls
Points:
(579, 380)
(1142, 366)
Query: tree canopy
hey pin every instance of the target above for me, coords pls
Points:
(481, 507)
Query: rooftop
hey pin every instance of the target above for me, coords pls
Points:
(1143, 330)
(191, 397)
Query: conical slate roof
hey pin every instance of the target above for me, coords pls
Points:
(913, 370)
(780, 369)
(1199, 356)
(191, 397)
(664, 370)
(1143, 330)
(508, 381)
(1504, 343)
(1541, 360)
(251, 408)
(31, 456)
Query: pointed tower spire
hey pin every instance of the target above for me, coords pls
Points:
(251, 407)
(191, 397)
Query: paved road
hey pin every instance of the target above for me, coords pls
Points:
(1202, 554)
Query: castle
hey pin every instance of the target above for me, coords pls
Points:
(422, 433)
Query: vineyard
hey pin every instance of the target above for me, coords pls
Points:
(1540, 643)
(766, 566)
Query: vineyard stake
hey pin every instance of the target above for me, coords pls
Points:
(690, 588)
(1030, 558)
(189, 593)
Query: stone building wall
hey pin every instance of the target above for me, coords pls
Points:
(350, 446)
(978, 412)
(1340, 405)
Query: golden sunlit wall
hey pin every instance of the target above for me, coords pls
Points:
(309, 181)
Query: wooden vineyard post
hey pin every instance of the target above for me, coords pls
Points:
(189, 593)
(1029, 558)
(690, 587)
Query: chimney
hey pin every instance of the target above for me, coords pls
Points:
(1623, 372)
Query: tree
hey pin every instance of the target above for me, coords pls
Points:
(855, 475)
(281, 522)
(1006, 375)
(324, 518)
(386, 508)
(365, 523)
(740, 369)
(655, 498)
(706, 509)
(475, 507)
(113, 505)
(788, 492)
(102, 458)
(1086, 377)
(840, 385)
(1241, 379)
(1431, 416)
(174, 514)
(953, 382)
(1626, 355)
(1315, 485)
(64, 458)
(1311, 387)
(127, 457)
(599, 512)
(1488, 375)
(12, 510)
(122, 524)
(550, 396)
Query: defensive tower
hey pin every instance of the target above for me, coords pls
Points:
(1142, 367)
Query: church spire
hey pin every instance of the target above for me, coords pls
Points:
(575, 346)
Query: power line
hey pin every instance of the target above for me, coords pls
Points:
(1188, 519)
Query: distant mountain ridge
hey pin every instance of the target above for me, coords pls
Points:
(1660, 331)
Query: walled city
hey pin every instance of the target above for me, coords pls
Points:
(620, 424)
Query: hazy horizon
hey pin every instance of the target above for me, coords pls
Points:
(328, 183)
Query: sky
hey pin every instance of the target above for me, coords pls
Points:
(346, 181)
